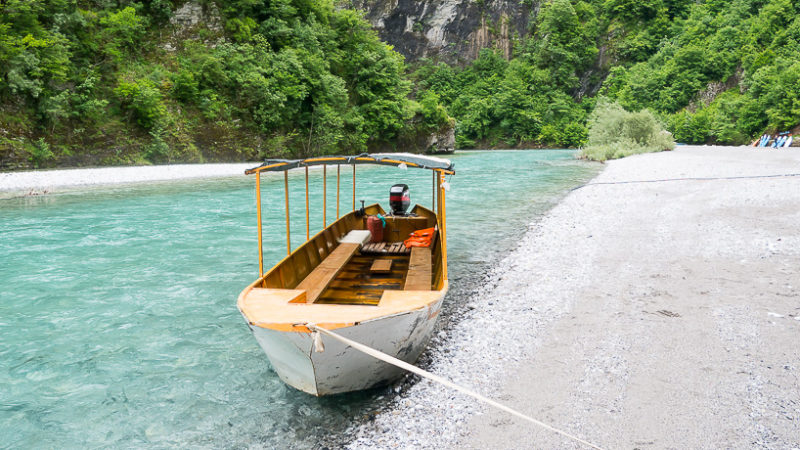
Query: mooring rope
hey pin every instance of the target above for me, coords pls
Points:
(662, 180)
(425, 374)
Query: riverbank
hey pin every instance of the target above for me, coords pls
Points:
(38, 182)
(633, 315)
(143, 284)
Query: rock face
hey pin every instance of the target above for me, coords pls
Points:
(443, 141)
(192, 13)
(714, 88)
(450, 30)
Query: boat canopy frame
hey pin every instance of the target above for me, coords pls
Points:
(439, 166)
(388, 159)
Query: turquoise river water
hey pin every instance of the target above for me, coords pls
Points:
(118, 319)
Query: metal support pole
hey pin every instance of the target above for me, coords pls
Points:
(354, 187)
(286, 190)
(308, 225)
(438, 196)
(443, 221)
(433, 188)
(258, 214)
(338, 179)
(324, 196)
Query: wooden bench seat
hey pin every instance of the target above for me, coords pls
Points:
(318, 280)
(419, 270)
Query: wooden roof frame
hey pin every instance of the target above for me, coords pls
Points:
(387, 159)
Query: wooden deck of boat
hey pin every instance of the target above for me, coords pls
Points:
(323, 272)
(356, 284)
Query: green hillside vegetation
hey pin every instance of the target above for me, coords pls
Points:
(101, 82)
(114, 82)
(714, 72)
(530, 100)
(751, 48)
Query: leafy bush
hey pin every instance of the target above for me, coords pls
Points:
(565, 135)
(142, 98)
(434, 115)
(157, 150)
(784, 113)
(40, 152)
(616, 133)
(718, 122)
(122, 31)
(28, 64)
(185, 86)
(561, 43)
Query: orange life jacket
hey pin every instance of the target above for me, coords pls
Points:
(420, 238)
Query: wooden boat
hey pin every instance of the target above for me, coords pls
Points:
(382, 294)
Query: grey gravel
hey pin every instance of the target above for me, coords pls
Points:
(39, 182)
(632, 315)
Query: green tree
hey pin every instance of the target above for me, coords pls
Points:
(121, 31)
(561, 43)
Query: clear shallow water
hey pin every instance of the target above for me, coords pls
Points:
(118, 323)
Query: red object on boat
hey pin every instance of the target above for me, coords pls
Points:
(375, 226)
(420, 238)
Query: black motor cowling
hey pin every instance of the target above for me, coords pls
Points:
(399, 199)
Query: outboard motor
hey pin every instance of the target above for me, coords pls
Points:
(399, 199)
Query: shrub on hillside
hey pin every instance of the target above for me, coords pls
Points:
(616, 133)
(144, 100)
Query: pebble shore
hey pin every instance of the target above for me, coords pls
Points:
(40, 182)
(632, 315)
(503, 318)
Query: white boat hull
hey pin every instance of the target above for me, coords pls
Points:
(340, 368)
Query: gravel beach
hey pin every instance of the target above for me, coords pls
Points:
(38, 182)
(633, 315)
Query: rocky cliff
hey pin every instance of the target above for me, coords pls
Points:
(450, 30)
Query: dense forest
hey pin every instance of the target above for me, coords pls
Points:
(713, 72)
(101, 82)
(116, 82)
